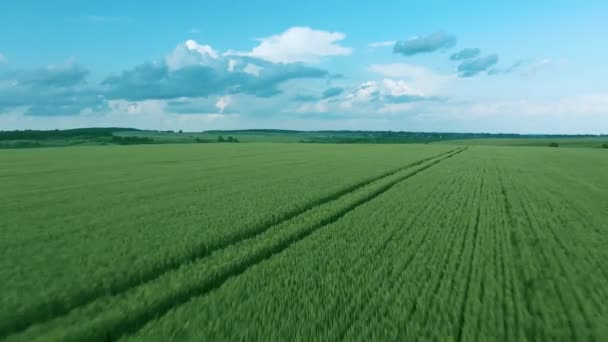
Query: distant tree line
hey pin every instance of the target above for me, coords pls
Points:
(61, 134)
(229, 139)
(105, 135)
(131, 140)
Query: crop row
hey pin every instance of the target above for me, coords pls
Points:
(486, 246)
(101, 220)
(112, 315)
(338, 281)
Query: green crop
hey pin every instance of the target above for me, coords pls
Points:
(301, 242)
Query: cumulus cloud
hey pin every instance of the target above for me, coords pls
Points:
(232, 64)
(2, 58)
(465, 54)
(54, 90)
(400, 89)
(191, 53)
(191, 70)
(472, 67)
(204, 50)
(384, 91)
(425, 81)
(298, 44)
(373, 98)
(222, 103)
(67, 75)
(425, 44)
(221, 77)
(147, 107)
(321, 106)
(366, 92)
(253, 69)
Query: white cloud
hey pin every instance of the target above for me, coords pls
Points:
(144, 108)
(232, 64)
(253, 69)
(363, 93)
(425, 81)
(372, 95)
(321, 106)
(379, 90)
(400, 88)
(191, 53)
(2, 58)
(298, 44)
(386, 43)
(250, 68)
(222, 103)
(204, 50)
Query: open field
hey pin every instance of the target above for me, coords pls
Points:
(130, 136)
(301, 241)
(592, 142)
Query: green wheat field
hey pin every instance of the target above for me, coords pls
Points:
(279, 241)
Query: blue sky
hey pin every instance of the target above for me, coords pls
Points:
(432, 66)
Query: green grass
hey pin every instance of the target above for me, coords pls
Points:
(300, 241)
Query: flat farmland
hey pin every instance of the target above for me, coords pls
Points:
(303, 241)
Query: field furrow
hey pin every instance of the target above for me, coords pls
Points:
(214, 270)
(76, 285)
(311, 275)
(353, 243)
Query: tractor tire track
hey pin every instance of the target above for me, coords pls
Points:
(134, 323)
(139, 323)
